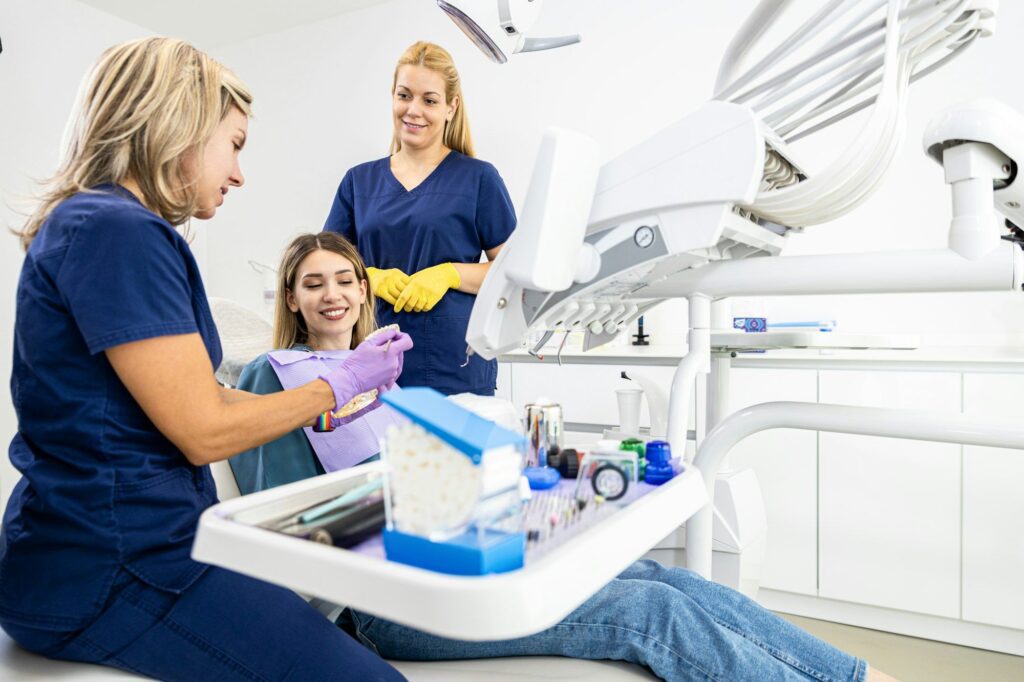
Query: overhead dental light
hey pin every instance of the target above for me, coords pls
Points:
(499, 27)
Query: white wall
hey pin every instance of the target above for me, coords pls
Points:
(48, 46)
(322, 105)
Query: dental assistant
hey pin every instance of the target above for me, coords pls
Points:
(421, 218)
(119, 412)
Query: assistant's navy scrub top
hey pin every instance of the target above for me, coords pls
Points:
(102, 489)
(459, 210)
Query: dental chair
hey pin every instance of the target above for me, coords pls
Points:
(244, 335)
(18, 665)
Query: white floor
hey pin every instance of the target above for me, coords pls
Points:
(906, 658)
(916, 660)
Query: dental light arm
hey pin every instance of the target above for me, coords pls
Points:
(979, 144)
(849, 56)
(499, 27)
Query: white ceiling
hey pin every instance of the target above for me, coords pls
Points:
(213, 23)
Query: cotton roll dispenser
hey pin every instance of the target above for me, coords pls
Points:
(452, 495)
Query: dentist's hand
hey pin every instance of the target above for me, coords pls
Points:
(375, 363)
(387, 284)
(427, 287)
(403, 341)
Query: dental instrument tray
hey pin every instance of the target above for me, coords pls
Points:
(239, 534)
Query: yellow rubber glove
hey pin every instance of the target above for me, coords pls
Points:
(387, 284)
(426, 287)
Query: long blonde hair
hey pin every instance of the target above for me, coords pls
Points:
(289, 327)
(437, 59)
(144, 112)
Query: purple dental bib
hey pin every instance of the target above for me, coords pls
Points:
(359, 434)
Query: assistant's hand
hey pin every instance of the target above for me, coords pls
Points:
(374, 363)
(387, 284)
(426, 287)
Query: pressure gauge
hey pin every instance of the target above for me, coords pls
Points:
(644, 236)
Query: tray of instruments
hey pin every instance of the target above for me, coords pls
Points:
(571, 560)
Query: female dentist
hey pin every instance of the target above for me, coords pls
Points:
(421, 218)
(118, 409)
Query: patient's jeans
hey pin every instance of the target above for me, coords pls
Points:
(669, 619)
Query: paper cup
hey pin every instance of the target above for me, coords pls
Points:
(629, 409)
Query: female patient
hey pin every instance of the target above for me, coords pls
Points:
(679, 625)
(324, 310)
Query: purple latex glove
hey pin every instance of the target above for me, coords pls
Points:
(381, 339)
(374, 363)
(401, 362)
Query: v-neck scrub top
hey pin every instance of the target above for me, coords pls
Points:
(461, 209)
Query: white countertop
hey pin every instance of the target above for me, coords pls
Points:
(825, 353)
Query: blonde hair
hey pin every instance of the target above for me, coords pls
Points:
(290, 327)
(437, 59)
(144, 112)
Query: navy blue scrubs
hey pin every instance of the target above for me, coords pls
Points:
(461, 209)
(94, 553)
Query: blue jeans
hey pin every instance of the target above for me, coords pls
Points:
(671, 620)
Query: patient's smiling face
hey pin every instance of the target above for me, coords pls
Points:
(328, 296)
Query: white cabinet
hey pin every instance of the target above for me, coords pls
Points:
(785, 461)
(889, 510)
(919, 530)
(993, 523)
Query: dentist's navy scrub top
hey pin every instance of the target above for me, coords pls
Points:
(461, 209)
(102, 490)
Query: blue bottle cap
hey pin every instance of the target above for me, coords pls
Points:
(659, 453)
(542, 478)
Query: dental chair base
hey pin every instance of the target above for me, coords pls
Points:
(740, 535)
(19, 665)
